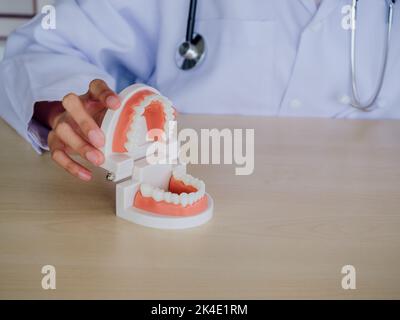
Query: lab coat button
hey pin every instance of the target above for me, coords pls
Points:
(295, 104)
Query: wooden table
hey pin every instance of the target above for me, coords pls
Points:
(324, 194)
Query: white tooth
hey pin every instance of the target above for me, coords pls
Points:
(195, 197)
(168, 109)
(158, 194)
(192, 198)
(146, 190)
(168, 197)
(198, 195)
(184, 199)
(139, 110)
(202, 192)
(175, 198)
(138, 115)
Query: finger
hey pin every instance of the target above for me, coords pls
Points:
(54, 142)
(93, 106)
(74, 168)
(69, 151)
(100, 91)
(74, 105)
(62, 159)
(96, 110)
(73, 140)
(99, 116)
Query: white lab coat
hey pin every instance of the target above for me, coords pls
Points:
(264, 57)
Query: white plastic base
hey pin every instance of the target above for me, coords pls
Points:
(157, 221)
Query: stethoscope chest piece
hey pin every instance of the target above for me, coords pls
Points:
(191, 53)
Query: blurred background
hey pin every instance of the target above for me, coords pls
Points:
(14, 13)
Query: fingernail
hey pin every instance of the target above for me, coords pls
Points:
(96, 137)
(113, 102)
(92, 157)
(84, 175)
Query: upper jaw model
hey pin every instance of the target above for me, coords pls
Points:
(156, 195)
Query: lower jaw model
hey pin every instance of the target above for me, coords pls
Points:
(156, 195)
(185, 196)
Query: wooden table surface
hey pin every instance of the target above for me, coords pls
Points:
(324, 194)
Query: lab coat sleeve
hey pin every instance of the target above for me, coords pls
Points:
(89, 41)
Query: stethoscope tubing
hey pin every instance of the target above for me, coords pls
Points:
(191, 21)
(356, 103)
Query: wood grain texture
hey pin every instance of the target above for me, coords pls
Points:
(325, 193)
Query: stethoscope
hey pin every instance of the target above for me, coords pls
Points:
(191, 52)
(356, 103)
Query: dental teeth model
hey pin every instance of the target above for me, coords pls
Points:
(156, 195)
(185, 196)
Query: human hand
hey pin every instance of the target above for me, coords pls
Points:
(75, 128)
